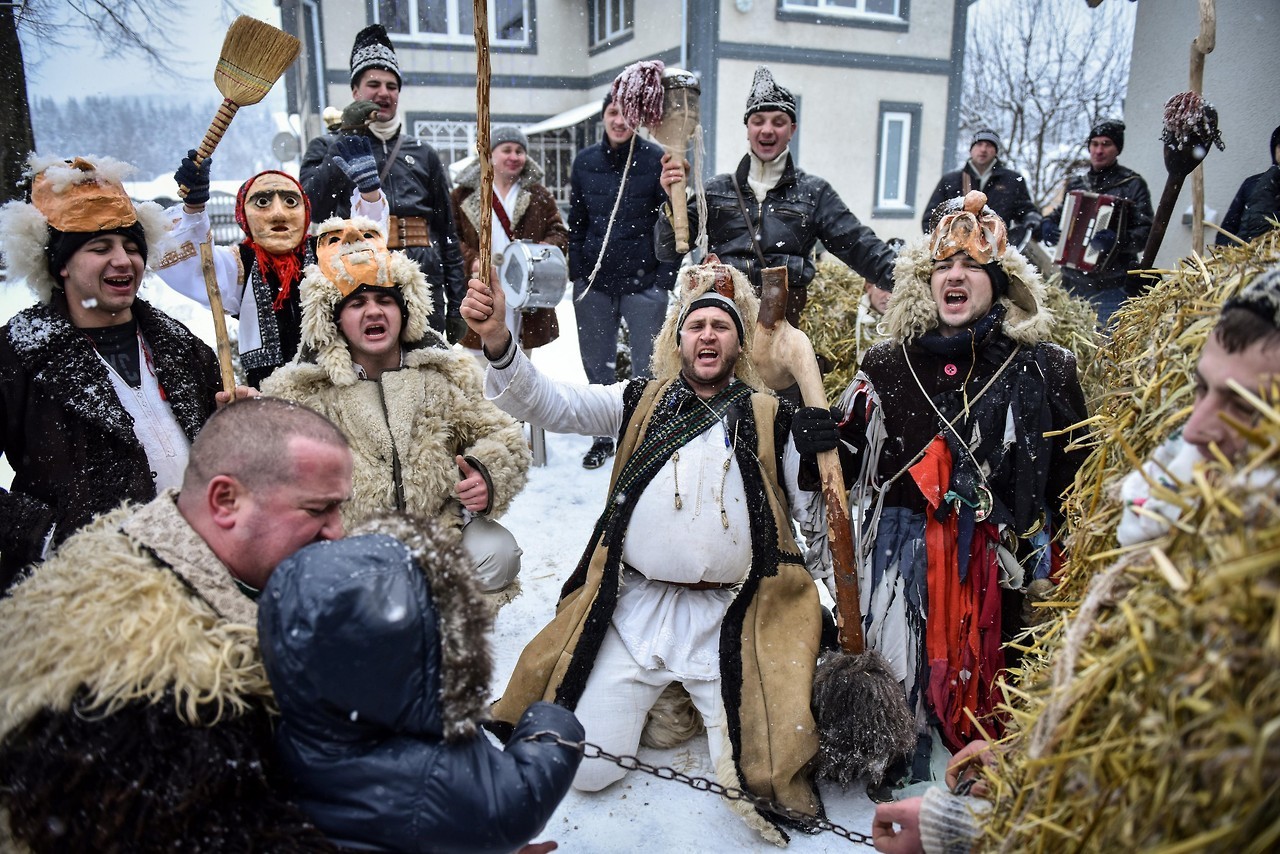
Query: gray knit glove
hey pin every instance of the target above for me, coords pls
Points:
(354, 156)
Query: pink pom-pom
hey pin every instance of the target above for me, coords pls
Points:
(638, 92)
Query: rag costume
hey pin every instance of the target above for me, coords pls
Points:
(257, 288)
(414, 182)
(720, 603)
(405, 427)
(787, 210)
(531, 214)
(378, 651)
(80, 435)
(957, 490)
(134, 710)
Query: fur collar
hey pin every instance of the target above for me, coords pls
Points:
(322, 341)
(463, 620)
(470, 180)
(310, 376)
(63, 363)
(106, 616)
(912, 311)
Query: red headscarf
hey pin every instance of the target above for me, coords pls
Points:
(288, 267)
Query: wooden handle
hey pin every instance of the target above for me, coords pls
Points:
(213, 136)
(680, 216)
(219, 319)
(1169, 198)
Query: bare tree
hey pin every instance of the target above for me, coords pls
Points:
(132, 27)
(1040, 73)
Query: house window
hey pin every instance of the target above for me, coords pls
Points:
(896, 157)
(846, 8)
(453, 21)
(455, 140)
(611, 19)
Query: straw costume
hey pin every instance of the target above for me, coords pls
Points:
(958, 483)
(87, 421)
(721, 603)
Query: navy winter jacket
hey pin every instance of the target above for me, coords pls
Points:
(630, 265)
(378, 655)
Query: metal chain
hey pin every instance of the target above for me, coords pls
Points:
(809, 823)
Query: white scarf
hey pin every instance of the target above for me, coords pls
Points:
(763, 177)
(387, 130)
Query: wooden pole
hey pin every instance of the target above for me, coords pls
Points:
(1201, 46)
(483, 72)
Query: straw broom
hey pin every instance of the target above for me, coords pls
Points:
(254, 55)
(863, 720)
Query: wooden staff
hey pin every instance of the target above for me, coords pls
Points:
(254, 55)
(1201, 46)
(485, 225)
(863, 720)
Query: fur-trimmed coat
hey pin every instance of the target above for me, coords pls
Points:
(135, 714)
(378, 649)
(536, 217)
(68, 438)
(406, 428)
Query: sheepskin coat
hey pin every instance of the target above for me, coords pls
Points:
(406, 428)
(377, 646)
(67, 436)
(768, 640)
(536, 217)
(135, 713)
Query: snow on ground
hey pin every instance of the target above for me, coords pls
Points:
(552, 520)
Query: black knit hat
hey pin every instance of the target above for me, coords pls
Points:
(372, 49)
(63, 244)
(1112, 129)
(766, 94)
(711, 299)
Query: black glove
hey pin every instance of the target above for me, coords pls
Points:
(1102, 241)
(357, 115)
(1050, 234)
(194, 178)
(353, 154)
(455, 328)
(816, 429)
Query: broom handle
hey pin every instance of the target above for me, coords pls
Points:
(485, 230)
(680, 215)
(213, 136)
(219, 320)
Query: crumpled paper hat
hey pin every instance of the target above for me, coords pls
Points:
(76, 197)
(968, 225)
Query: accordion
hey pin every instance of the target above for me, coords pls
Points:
(1083, 216)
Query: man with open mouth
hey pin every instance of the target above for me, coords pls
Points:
(954, 420)
(424, 438)
(101, 394)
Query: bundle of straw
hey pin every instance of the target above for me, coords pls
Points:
(1144, 715)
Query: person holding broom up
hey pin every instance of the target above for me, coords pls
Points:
(959, 484)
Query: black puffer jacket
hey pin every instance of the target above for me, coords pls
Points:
(1124, 183)
(796, 213)
(65, 433)
(630, 265)
(416, 185)
(378, 654)
(1006, 192)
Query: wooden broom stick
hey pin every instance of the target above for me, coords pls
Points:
(485, 229)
